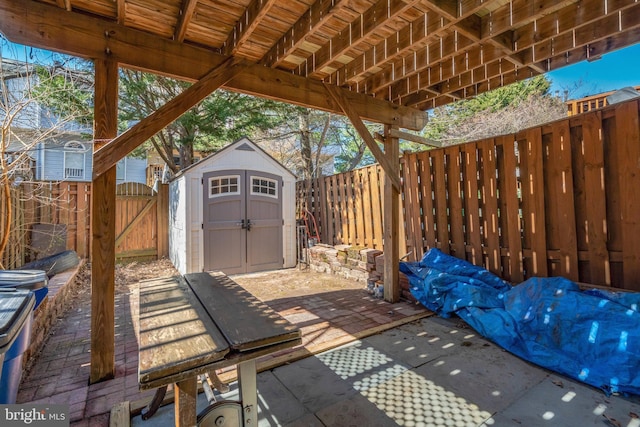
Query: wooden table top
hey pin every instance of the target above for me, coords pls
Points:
(203, 321)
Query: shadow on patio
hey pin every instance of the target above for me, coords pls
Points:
(59, 372)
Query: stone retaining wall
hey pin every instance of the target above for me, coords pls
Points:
(356, 263)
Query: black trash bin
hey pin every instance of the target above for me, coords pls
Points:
(16, 316)
(33, 280)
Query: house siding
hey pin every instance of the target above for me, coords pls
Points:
(131, 169)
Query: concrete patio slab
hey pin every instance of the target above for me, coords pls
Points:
(463, 381)
(559, 401)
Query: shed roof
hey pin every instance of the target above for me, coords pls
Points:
(243, 143)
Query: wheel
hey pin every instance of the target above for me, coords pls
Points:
(54, 264)
(225, 413)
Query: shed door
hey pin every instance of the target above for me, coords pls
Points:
(242, 221)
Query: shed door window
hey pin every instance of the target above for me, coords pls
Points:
(264, 187)
(74, 160)
(224, 185)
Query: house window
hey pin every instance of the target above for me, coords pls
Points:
(74, 160)
(224, 185)
(264, 187)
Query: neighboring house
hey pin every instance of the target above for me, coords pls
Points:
(70, 158)
(600, 100)
(49, 148)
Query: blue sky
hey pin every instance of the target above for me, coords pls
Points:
(613, 71)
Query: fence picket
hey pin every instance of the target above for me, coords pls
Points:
(533, 205)
(560, 203)
(627, 146)
(596, 210)
(457, 221)
(471, 205)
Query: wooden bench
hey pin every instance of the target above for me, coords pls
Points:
(196, 324)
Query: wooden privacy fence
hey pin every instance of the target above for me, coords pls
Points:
(142, 220)
(34, 204)
(347, 207)
(555, 200)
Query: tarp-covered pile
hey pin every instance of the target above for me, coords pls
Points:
(592, 336)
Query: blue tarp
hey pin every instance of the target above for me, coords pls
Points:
(592, 336)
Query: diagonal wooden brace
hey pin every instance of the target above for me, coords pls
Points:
(108, 155)
(357, 122)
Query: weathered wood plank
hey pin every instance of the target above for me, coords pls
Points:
(120, 415)
(342, 210)
(246, 322)
(355, 119)
(176, 334)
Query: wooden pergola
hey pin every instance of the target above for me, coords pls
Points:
(385, 61)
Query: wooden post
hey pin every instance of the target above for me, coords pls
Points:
(391, 220)
(103, 226)
(186, 393)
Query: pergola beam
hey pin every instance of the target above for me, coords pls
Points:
(107, 156)
(48, 27)
(396, 133)
(186, 13)
(247, 24)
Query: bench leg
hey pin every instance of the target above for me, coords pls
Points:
(155, 403)
(186, 392)
(247, 383)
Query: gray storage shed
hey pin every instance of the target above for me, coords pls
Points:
(234, 211)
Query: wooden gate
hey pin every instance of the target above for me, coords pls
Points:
(139, 219)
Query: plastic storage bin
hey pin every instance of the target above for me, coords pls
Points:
(16, 316)
(33, 280)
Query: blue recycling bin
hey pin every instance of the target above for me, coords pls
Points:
(16, 317)
(33, 280)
